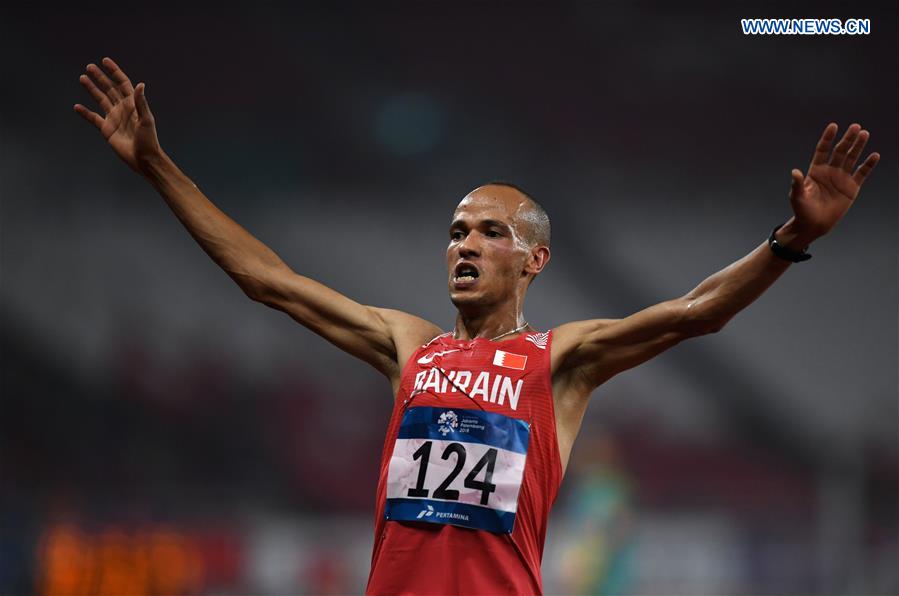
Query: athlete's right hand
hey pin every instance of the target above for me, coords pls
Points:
(128, 125)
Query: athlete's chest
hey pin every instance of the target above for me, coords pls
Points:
(469, 416)
(504, 377)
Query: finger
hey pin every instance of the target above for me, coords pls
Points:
(123, 83)
(104, 83)
(864, 170)
(842, 148)
(822, 149)
(857, 147)
(98, 95)
(796, 184)
(92, 117)
(140, 99)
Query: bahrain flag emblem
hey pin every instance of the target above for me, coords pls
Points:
(509, 360)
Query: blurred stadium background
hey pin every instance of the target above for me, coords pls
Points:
(162, 434)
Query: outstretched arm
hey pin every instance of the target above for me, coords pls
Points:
(384, 338)
(590, 352)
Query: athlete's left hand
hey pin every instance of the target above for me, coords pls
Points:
(821, 197)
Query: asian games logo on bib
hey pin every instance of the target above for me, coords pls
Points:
(448, 422)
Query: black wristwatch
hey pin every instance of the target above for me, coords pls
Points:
(785, 253)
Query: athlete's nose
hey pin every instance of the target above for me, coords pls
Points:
(469, 247)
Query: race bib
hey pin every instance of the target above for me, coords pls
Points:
(459, 467)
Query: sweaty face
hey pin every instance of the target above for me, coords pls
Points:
(486, 255)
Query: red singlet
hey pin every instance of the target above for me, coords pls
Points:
(466, 383)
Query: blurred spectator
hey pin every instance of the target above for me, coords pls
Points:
(600, 541)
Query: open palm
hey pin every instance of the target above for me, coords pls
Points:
(821, 197)
(127, 124)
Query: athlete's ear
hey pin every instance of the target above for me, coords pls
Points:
(537, 260)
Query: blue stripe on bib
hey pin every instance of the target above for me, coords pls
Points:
(467, 426)
(449, 512)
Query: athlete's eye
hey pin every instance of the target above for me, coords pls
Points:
(493, 234)
(456, 235)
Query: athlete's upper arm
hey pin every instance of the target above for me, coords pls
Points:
(598, 349)
(382, 337)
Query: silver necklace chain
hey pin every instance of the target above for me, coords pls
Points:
(517, 329)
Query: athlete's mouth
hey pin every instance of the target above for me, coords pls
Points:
(465, 272)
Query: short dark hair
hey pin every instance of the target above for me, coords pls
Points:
(540, 229)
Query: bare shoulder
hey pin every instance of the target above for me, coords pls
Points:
(408, 332)
(567, 338)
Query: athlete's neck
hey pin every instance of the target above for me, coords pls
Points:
(489, 326)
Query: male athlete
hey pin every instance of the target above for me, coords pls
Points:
(484, 415)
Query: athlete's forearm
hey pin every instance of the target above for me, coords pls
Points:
(242, 256)
(722, 295)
